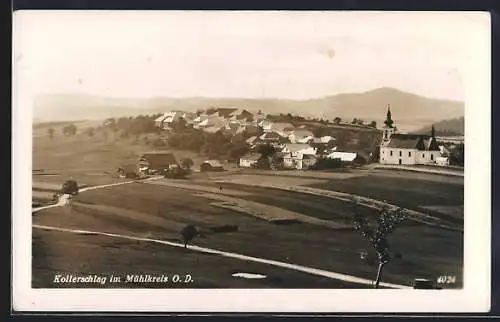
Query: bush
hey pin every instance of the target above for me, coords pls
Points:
(263, 163)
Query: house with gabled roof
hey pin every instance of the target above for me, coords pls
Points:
(273, 138)
(249, 160)
(166, 120)
(293, 154)
(241, 114)
(154, 162)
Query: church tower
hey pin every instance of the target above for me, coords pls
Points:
(388, 128)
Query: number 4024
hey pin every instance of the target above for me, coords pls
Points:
(447, 279)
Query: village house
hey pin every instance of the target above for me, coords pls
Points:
(249, 160)
(293, 155)
(211, 165)
(342, 156)
(241, 115)
(272, 138)
(210, 121)
(166, 120)
(155, 162)
(304, 161)
(249, 129)
(443, 161)
(407, 149)
(253, 141)
(231, 127)
(266, 125)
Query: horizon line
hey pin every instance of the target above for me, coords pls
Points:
(244, 97)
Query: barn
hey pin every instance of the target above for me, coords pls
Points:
(156, 162)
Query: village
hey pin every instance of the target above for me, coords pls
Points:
(270, 142)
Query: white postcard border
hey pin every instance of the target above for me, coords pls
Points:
(474, 297)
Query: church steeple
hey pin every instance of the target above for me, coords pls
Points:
(388, 129)
(388, 121)
(433, 131)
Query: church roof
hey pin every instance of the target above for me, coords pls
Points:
(413, 141)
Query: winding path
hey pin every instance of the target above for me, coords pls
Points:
(64, 199)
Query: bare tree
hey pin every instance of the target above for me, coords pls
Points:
(386, 222)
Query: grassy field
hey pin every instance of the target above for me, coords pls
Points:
(160, 212)
(415, 194)
(108, 256)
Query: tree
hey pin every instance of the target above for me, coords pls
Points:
(90, 131)
(266, 150)
(263, 163)
(373, 124)
(179, 125)
(238, 150)
(360, 122)
(69, 130)
(189, 233)
(387, 221)
(337, 120)
(277, 161)
(109, 123)
(354, 121)
(51, 131)
(187, 163)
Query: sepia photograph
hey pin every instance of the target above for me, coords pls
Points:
(251, 153)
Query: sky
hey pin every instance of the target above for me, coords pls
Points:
(296, 55)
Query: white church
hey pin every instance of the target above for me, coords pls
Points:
(407, 149)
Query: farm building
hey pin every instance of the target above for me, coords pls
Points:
(154, 162)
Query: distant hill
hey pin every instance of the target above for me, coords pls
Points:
(371, 105)
(451, 127)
